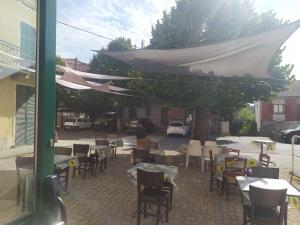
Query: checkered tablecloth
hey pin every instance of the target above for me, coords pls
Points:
(102, 150)
(63, 161)
(170, 172)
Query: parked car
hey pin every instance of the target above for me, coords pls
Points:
(286, 135)
(106, 121)
(145, 122)
(178, 128)
(77, 123)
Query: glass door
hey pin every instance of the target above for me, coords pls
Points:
(18, 81)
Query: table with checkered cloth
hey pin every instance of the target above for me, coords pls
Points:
(63, 161)
(170, 172)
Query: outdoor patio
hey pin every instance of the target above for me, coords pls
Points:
(111, 199)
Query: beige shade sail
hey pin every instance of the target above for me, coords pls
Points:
(249, 55)
(66, 70)
(75, 82)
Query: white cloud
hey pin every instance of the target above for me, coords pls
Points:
(128, 18)
(134, 18)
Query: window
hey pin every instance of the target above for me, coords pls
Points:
(28, 41)
(278, 108)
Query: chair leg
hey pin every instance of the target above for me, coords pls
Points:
(227, 191)
(167, 210)
(285, 213)
(139, 213)
(145, 209)
(187, 161)
(158, 214)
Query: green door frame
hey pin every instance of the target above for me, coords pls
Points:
(45, 119)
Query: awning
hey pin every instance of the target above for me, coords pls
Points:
(250, 55)
(67, 70)
(78, 83)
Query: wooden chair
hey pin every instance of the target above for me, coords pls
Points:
(143, 143)
(232, 151)
(264, 160)
(266, 206)
(62, 174)
(85, 162)
(141, 155)
(263, 172)
(152, 193)
(213, 178)
(22, 163)
(234, 166)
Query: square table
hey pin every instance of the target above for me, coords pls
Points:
(103, 152)
(170, 172)
(63, 161)
(267, 183)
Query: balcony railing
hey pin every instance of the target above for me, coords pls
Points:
(9, 54)
(12, 56)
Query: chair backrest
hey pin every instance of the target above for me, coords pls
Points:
(232, 151)
(102, 142)
(235, 163)
(214, 149)
(140, 153)
(144, 143)
(150, 179)
(194, 148)
(24, 162)
(63, 150)
(263, 172)
(267, 198)
(264, 159)
(81, 150)
(212, 164)
(210, 143)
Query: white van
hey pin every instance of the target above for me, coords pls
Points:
(77, 123)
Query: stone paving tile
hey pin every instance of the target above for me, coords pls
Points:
(110, 199)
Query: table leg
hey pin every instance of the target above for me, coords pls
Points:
(105, 162)
(261, 148)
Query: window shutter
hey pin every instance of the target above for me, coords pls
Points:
(28, 41)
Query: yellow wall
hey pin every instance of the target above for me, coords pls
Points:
(10, 20)
(12, 13)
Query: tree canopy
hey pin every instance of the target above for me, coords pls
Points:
(200, 22)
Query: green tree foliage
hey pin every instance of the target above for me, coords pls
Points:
(92, 102)
(244, 122)
(200, 22)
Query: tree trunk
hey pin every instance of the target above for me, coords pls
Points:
(200, 125)
(119, 119)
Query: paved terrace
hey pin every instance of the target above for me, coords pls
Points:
(110, 199)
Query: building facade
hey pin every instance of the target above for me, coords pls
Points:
(17, 72)
(281, 113)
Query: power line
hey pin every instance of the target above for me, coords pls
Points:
(83, 30)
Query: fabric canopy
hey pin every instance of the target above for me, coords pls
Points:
(78, 83)
(67, 70)
(249, 55)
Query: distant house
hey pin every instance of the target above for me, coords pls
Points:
(158, 113)
(281, 113)
(75, 64)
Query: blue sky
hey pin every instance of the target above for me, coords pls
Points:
(134, 18)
